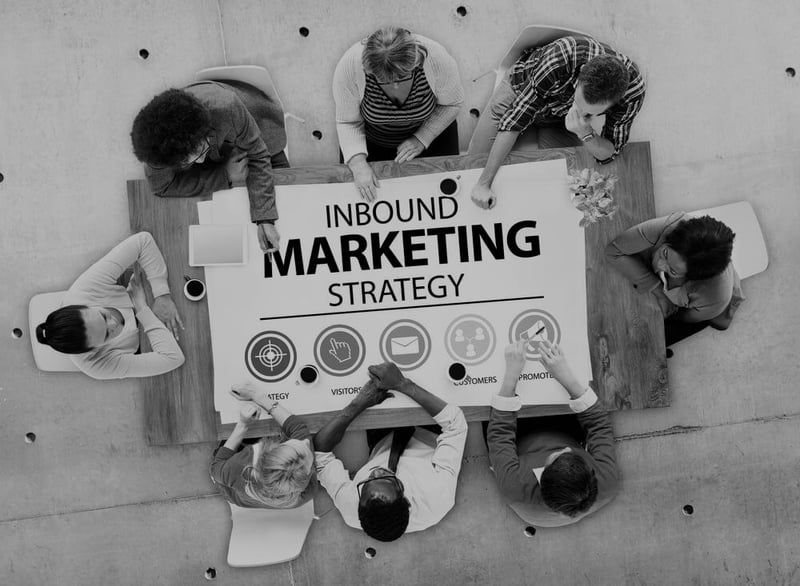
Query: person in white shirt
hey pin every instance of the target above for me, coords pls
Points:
(409, 482)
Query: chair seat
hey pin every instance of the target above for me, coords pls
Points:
(749, 255)
(45, 357)
(260, 537)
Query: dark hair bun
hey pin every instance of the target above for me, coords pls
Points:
(41, 334)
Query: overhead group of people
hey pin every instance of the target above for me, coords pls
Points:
(397, 97)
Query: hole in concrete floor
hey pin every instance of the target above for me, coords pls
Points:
(461, 10)
(303, 31)
(688, 510)
(529, 531)
(790, 72)
(210, 574)
(370, 553)
(144, 53)
(317, 134)
(475, 113)
(16, 333)
(30, 437)
(1, 177)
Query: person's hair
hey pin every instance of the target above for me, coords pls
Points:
(279, 473)
(604, 79)
(64, 330)
(169, 128)
(569, 485)
(384, 520)
(391, 53)
(705, 243)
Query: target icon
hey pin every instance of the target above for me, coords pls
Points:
(270, 356)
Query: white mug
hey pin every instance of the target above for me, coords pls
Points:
(194, 289)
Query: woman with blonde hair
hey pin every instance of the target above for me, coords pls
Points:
(268, 474)
(397, 97)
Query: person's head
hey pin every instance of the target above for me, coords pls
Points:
(568, 483)
(383, 508)
(696, 249)
(391, 54)
(75, 329)
(280, 472)
(171, 130)
(602, 81)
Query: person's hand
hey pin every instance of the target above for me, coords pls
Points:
(515, 358)
(555, 363)
(136, 291)
(365, 179)
(268, 237)
(577, 125)
(249, 414)
(165, 310)
(236, 168)
(483, 196)
(409, 149)
(244, 392)
(386, 375)
(371, 395)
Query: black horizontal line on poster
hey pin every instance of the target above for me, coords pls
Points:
(402, 308)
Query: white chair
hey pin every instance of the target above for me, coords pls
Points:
(534, 35)
(44, 356)
(261, 537)
(749, 255)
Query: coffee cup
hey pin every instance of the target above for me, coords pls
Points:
(450, 185)
(309, 374)
(194, 289)
(456, 372)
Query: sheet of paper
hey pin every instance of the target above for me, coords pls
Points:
(417, 278)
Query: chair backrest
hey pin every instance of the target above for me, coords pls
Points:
(260, 537)
(254, 75)
(749, 249)
(44, 356)
(534, 35)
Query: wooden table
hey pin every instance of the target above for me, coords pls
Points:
(626, 335)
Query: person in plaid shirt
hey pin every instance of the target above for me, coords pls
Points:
(575, 91)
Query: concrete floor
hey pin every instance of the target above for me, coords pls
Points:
(90, 503)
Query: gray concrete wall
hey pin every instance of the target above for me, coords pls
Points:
(90, 503)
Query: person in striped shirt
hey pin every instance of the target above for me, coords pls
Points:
(397, 96)
(574, 91)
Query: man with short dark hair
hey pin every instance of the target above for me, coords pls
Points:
(574, 91)
(409, 482)
(211, 136)
(547, 474)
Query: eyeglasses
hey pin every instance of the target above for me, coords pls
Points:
(202, 154)
(387, 476)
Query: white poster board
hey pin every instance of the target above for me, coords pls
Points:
(419, 278)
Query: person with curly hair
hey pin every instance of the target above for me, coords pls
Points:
(565, 90)
(554, 471)
(409, 481)
(397, 97)
(684, 263)
(210, 136)
(267, 474)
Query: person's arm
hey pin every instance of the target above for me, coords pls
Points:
(514, 483)
(482, 193)
(617, 128)
(221, 470)
(387, 376)
(189, 182)
(332, 432)
(348, 77)
(441, 70)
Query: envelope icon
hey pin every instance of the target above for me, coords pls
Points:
(531, 335)
(404, 345)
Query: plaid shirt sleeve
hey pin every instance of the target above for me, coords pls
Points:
(550, 77)
(617, 128)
